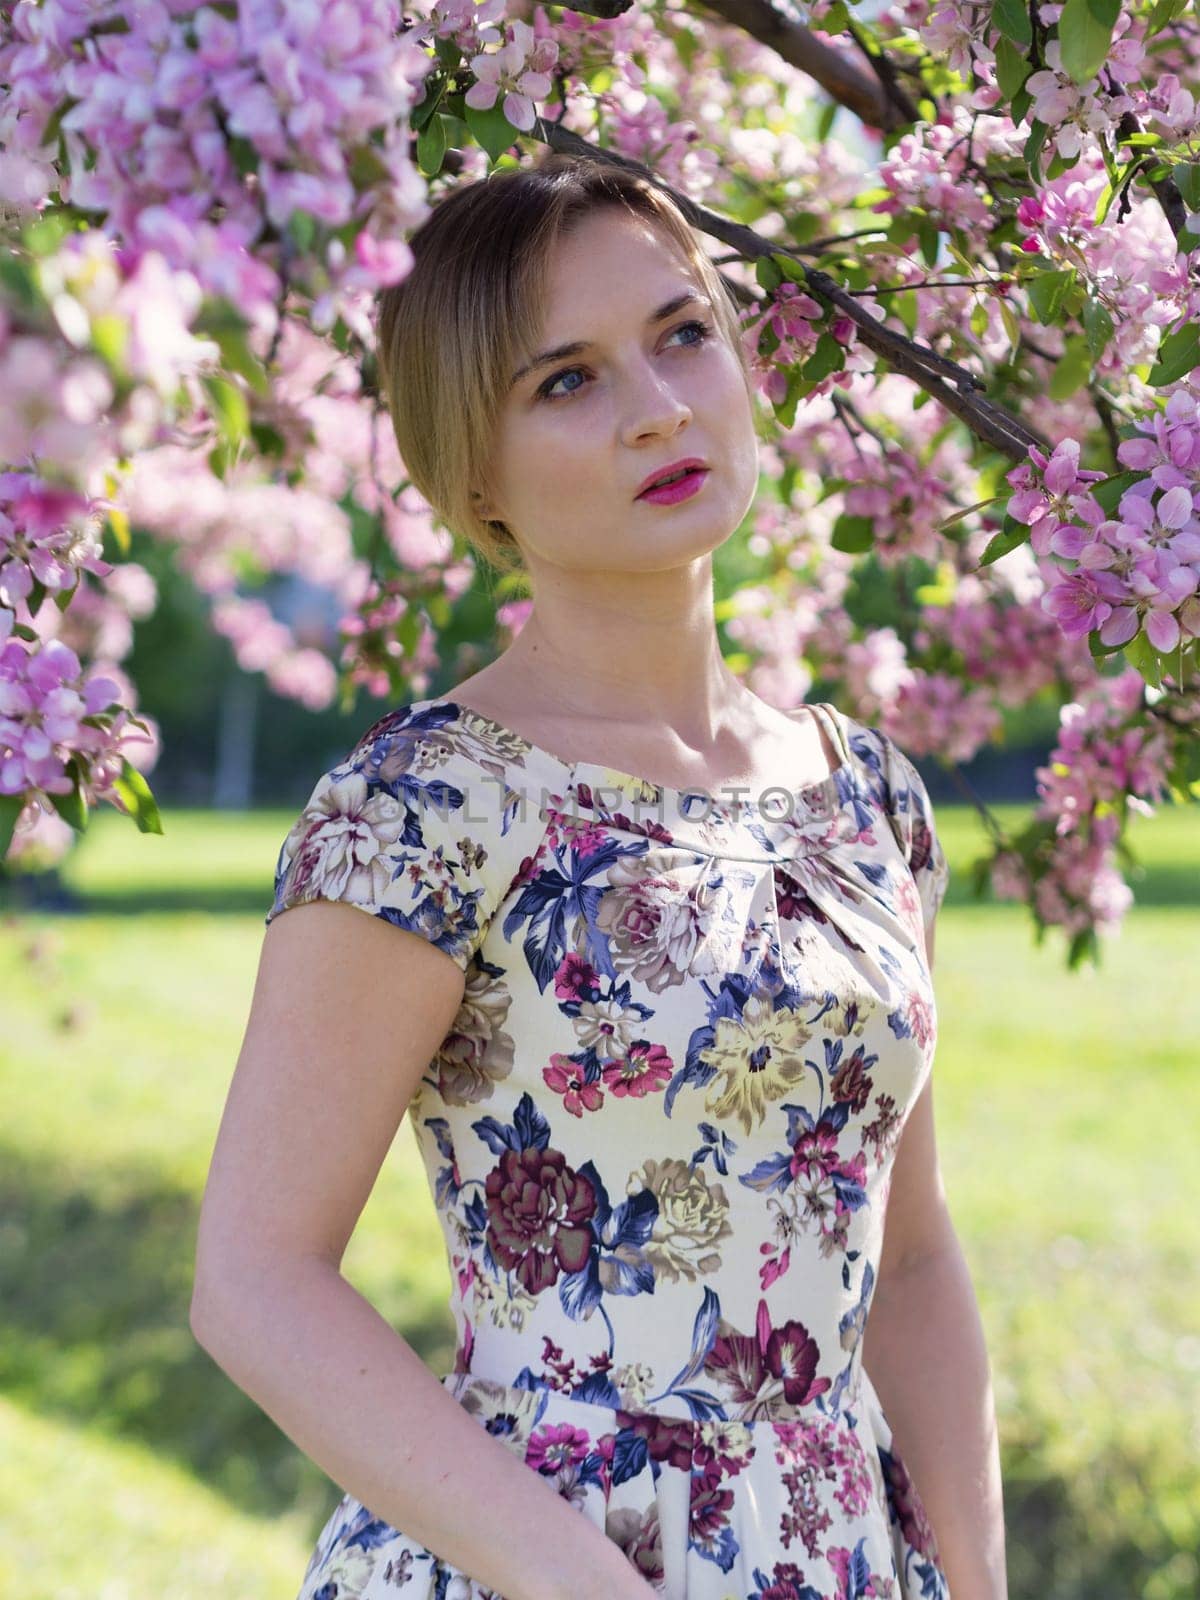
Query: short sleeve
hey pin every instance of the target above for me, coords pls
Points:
(916, 829)
(412, 827)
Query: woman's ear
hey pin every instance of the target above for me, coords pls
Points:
(480, 506)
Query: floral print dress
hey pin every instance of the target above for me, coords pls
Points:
(659, 1137)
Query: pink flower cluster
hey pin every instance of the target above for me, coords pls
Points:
(1107, 759)
(790, 316)
(1137, 569)
(1073, 111)
(62, 730)
(927, 168)
(202, 135)
(519, 70)
(48, 536)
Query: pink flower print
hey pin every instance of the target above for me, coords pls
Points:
(792, 1355)
(575, 978)
(566, 1077)
(855, 1580)
(555, 1446)
(539, 1216)
(646, 1069)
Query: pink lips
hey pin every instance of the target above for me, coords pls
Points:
(668, 494)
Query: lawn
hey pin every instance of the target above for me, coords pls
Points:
(131, 1468)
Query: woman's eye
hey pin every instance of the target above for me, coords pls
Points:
(701, 329)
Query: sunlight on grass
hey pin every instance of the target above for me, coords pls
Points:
(124, 1523)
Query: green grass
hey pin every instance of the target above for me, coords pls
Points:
(130, 1466)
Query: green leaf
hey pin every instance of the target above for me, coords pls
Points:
(1163, 15)
(221, 322)
(491, 129)
(1178, 353)
(18, 284)
(853, 534)
(1187, 178)
(1011, 535)
(927, 234)
(1011, 17)
(791, 269)
(110, 339)
(268, 440)
(802, 226)
(1107, 492)
(828, 356)
(230, 337)
(44, 236)
(1140, 653)
(431, 147)
(1059, 164)
(435, 88)
(1011, 68)
(1098, 325)
(1047, 291)
(117, 524)
(137, 798)
(1085, 30)
(1104, 203)
(72, 807)
(228, 405)
(799, 388)
(244, 154)
(957, 516)
(366, 167)
(11, 806)
(1011, 325)
(979, 319)
(1073, 368)
(303, 229)
(829, 112)
(1038, 134)
(766, 270)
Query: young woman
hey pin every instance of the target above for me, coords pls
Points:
(647, 961)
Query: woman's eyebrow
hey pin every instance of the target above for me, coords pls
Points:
(578, 346)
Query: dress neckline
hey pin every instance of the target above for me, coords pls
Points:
(823, 796)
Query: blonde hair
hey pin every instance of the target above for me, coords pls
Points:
(452, 332)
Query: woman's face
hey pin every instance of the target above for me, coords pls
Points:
(580, 433)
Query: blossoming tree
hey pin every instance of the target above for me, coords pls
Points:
(974, 327)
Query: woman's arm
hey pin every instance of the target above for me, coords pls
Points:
(347, 1013)
(319, 1359)
(924, 1350)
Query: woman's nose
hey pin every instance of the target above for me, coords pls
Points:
(654, 406)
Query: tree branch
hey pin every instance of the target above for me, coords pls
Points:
(599, 8)
(1165, 189)
(928, 370)
(879, 101)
